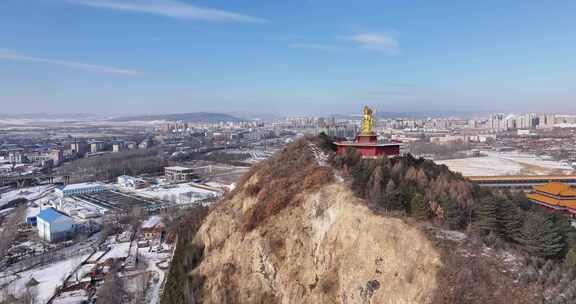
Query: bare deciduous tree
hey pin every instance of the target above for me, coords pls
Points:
(112, 291)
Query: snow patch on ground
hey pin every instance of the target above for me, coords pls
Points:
(451, 235)
(321, 156)
(49, 277)
(117, 251)
(506, 163)
(73, 297)
(180, 193)
(30, 193)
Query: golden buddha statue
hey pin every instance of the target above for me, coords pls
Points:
(367, 121)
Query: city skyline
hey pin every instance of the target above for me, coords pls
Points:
(296, 58)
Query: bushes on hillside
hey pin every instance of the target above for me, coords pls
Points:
(407, 185)
(180, 286)
(277, 183)
(418, 187)
(419, 208)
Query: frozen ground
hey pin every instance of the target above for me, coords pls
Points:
(49, 277)
(117, 250)
(30, 193)
(73, 297)
(153, 258)
(181, 193)
(506, 163)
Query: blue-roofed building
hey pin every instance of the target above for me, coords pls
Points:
(79, 189)
(54, 226)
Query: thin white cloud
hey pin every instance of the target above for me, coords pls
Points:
(11, 56)
(313, 46)
(171, 9)
(376, 41)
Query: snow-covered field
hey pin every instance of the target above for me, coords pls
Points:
(118, 250)
(506, 163)
(181, 193)
(31, 193)
(49, 277)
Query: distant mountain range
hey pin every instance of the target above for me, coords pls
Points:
(186, 117)
(232, 116)
(51, 116)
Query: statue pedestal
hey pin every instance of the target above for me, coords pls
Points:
(367, 138)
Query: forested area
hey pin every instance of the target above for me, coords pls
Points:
(419, 188)
(110, 166)
(422, 189)
(235, 159)
(440, 151)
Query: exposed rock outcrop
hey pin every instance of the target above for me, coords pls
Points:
(322, 245)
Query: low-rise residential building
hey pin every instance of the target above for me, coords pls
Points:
(153, 228)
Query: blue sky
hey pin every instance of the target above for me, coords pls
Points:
(286, 57)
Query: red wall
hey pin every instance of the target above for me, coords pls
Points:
(371, 151)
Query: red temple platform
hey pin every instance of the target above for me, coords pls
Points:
(368, 147)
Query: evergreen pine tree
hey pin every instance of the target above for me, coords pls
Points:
(510, 218)
(396, 198)
(360, 177)
(541, 237)
(419, 208)
(486, 216)
(385, 174)
(454, 216)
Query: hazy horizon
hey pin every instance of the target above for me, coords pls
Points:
(134, 57)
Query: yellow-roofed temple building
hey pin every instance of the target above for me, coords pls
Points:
(557, 196)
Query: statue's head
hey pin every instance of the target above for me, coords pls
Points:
(367, 110)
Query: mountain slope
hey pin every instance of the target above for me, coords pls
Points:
(186, 117)
(322, 246)
(329, 249)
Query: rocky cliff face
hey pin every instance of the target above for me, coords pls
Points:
(318, 244)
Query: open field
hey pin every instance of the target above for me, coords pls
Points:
(508, 163)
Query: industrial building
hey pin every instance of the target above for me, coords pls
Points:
(178, 174)
(79, 189)
(54, 226)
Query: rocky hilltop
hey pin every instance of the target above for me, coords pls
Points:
(328, 249)
(321, 245)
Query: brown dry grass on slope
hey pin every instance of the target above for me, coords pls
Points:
(280, 182)
(328, 249)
